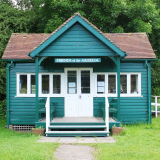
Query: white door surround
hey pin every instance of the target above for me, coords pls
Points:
(78, 92)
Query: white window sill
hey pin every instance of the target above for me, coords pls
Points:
(44, 95)
(25, 95)
(103, 95)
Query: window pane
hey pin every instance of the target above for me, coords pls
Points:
(123, 84)
(23, 84)
(72, 82)
(112, 84)
(33, 86)
(56, 84)
(45, 84)
(134, 84)
(85, 81)
(100, 84)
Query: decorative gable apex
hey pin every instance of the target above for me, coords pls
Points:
(68, 24)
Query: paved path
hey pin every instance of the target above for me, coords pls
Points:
(74, 152)
(72, 140)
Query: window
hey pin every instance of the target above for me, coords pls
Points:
(26, 84)
(48, 84)
(23, 84)
(72, 82)
(100, 84)
(45, 84)
(112, 83)
(130, 84)
(134, 84)
(56, 84)
(123, 83)
(85, 82)
(33, 85)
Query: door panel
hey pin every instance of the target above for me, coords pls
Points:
(79, 98)
(72, 106)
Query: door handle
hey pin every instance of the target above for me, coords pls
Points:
(80, 97)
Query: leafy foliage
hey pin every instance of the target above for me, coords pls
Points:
(113, 16)
(11, 20)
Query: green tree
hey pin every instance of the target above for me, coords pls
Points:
(113, 16)
(12, 20)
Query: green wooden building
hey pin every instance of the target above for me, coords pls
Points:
(78, 81)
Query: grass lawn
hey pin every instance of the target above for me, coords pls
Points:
(23, 146)
(137, 142)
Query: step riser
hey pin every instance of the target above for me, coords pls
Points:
(72, 123)
(77, 128)
(77, 134)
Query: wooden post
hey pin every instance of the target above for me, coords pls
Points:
(156, 106)
(118, 86)
(37, 71)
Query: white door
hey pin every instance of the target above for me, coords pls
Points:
(79, 98)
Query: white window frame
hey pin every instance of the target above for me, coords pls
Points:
(51, 85)
(40, 85)
(128, 94)
(28, 85)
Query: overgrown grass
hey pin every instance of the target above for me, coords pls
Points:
(23, 146)
(137, 142)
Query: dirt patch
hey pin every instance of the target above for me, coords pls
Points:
(74, 152)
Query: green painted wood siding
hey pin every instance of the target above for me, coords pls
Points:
(22, 109)
(133, 109)
(77, 41)
(60, 106)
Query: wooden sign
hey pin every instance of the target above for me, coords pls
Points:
(77, 60)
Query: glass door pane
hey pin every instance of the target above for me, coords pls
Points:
(72, 82)
(85, 81)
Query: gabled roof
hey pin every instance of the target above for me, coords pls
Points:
(69, 23)
(136, 44)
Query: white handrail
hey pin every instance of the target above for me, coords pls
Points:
(154, 96)
(47, 113)
(156, 104)
(107, 113)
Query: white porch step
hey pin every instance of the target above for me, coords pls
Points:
(77, 127)
(76, 133)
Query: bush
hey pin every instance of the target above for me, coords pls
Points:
(3, 108)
